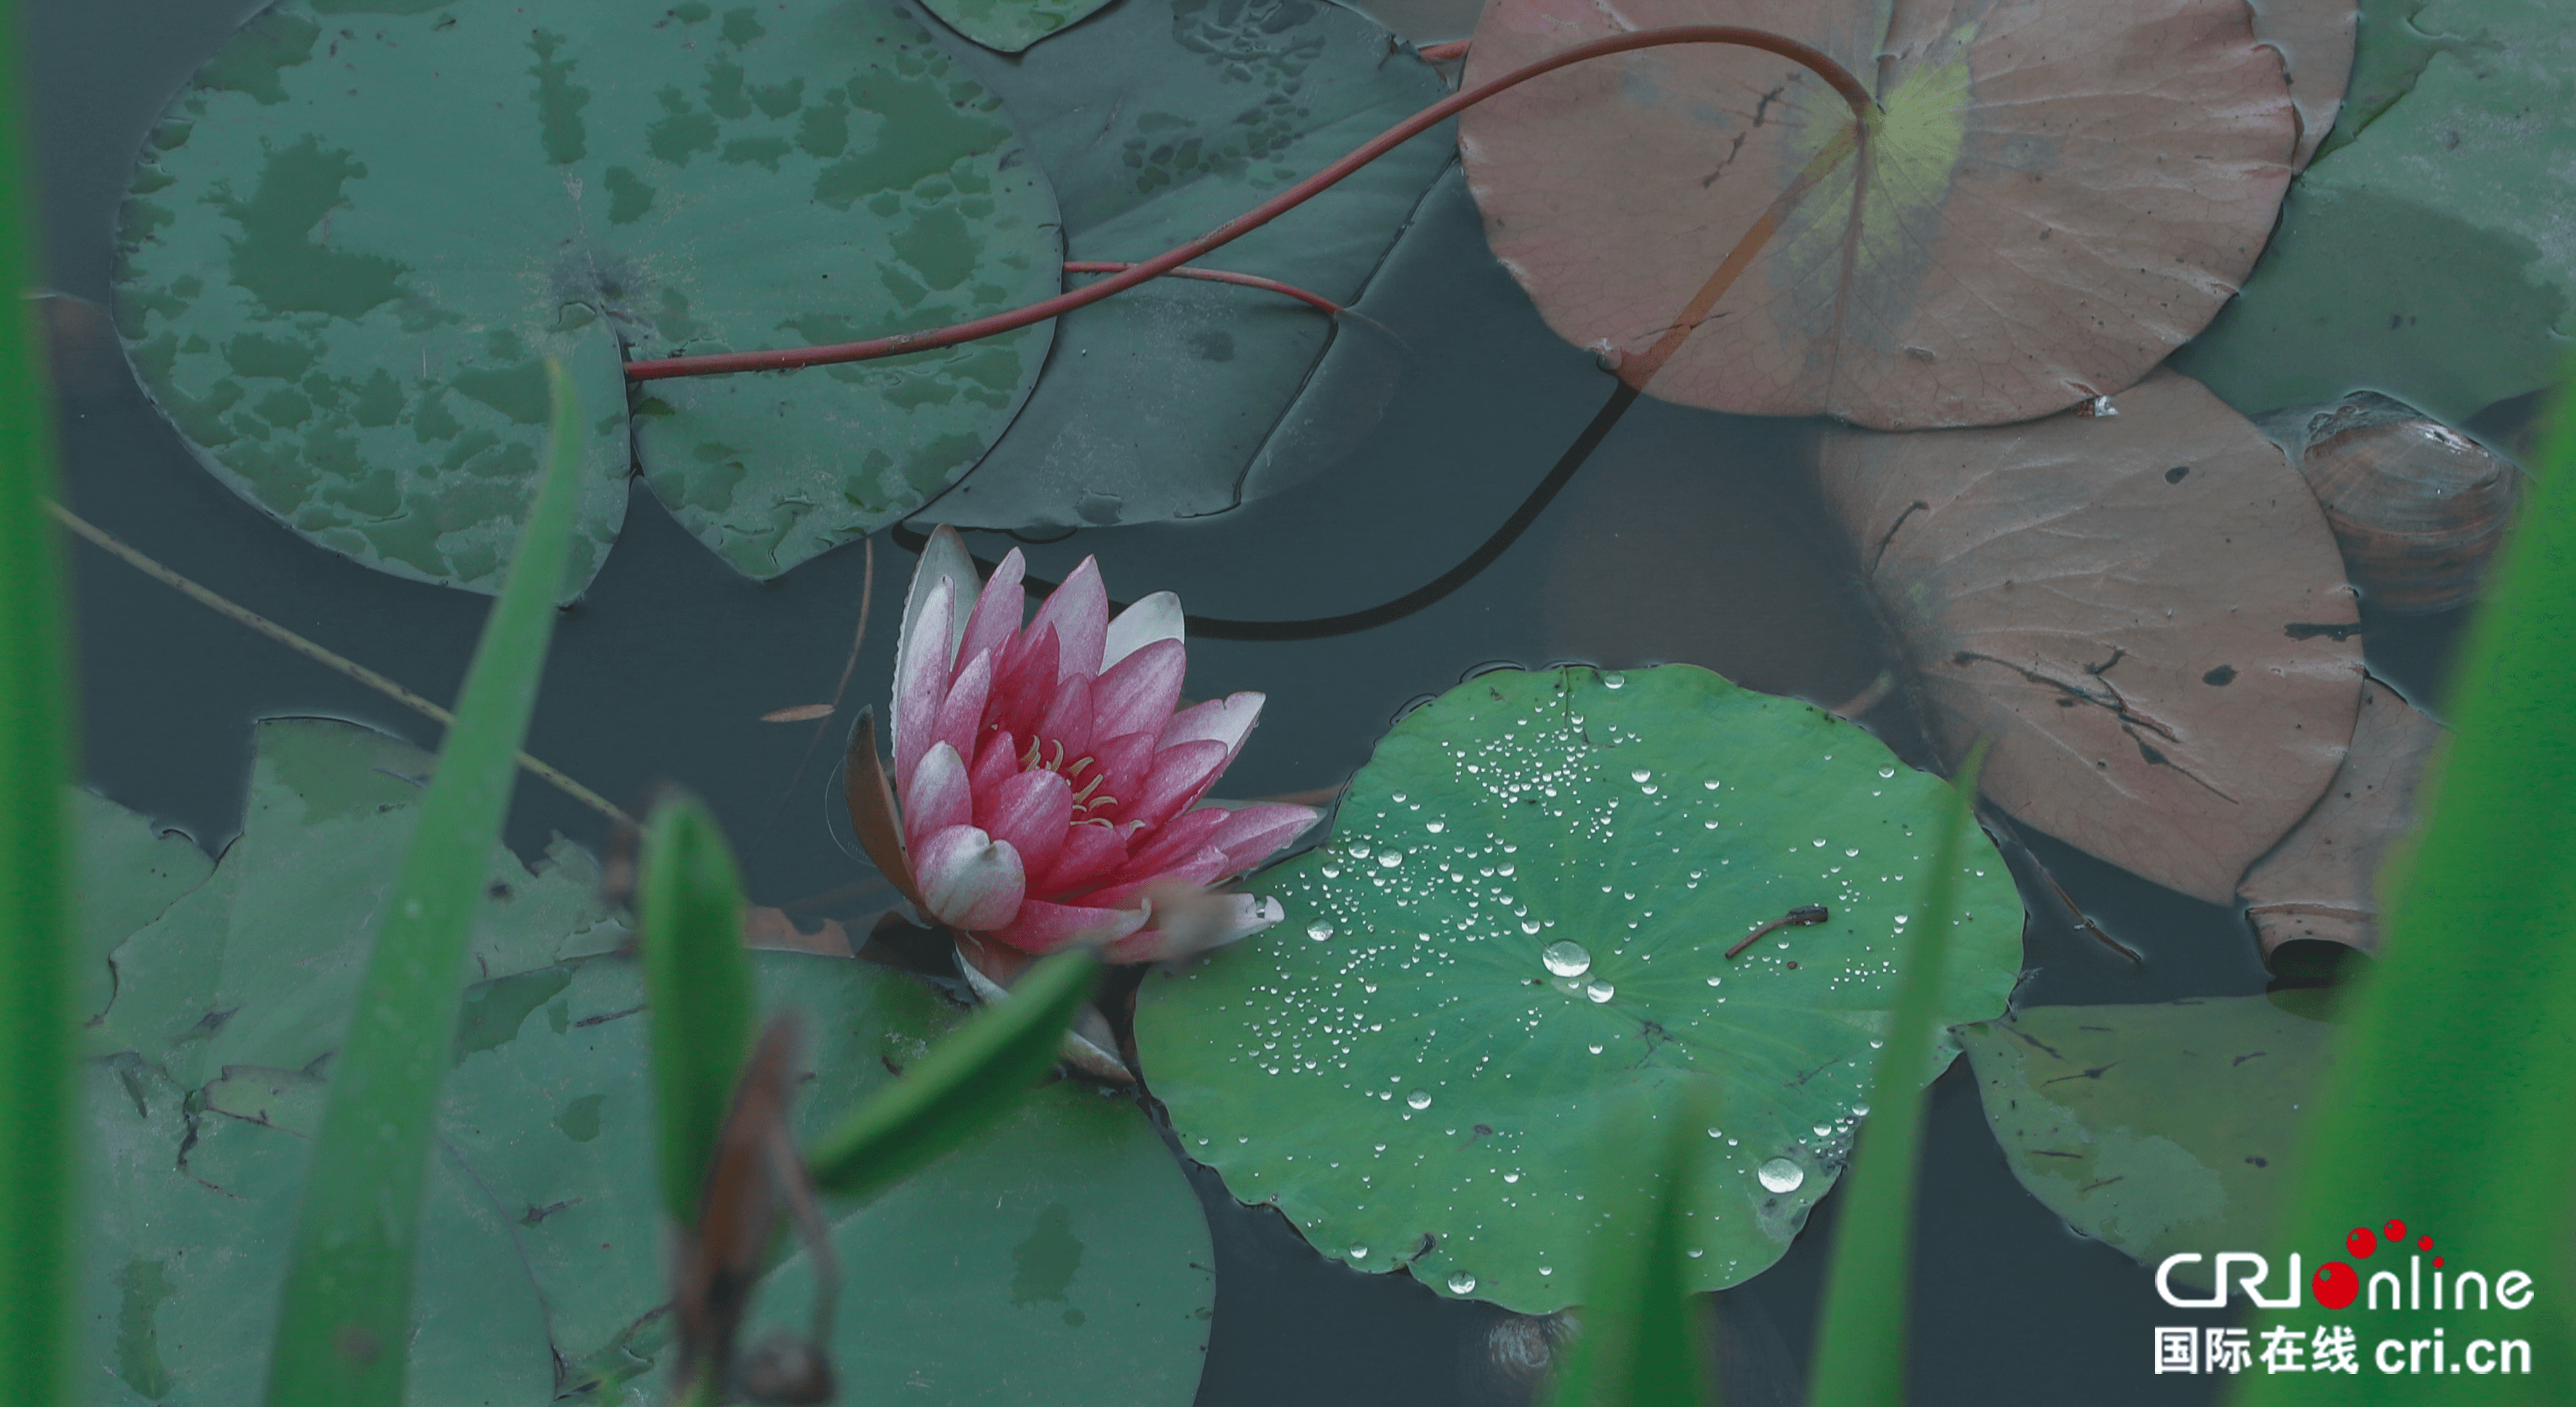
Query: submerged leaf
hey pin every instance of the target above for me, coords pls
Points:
(1066, 1248)
(2144, 609)
(1157, 121)
(2050, 198)
(1011, 25)
(347, 250)
(2157, 1128)
(2426, 254)
(2321, 881)
(1524, 913)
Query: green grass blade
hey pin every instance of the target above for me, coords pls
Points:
(1642, 1344)
(35, 858)
(2452, 1101)
(967, 1081)
(345, 1318)
(1860, 1341)
(697, 983)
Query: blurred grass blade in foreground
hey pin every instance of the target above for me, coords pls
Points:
(1641, 1344)
(2452, 1100)
(35, 849)
(1860, 1340)
(968, 1080)
(697, 990)
(345, 1319)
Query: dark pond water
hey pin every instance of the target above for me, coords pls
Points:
(1687, 536)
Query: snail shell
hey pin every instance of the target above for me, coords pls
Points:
(2416, 506)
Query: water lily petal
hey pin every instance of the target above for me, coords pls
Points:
(1202, 867)
(1026, 683)
(1065, 731)
(1030, 811)
(1136, 694)
(997, 760)
(1123, 766)
(1182, 772)
(997, 611)
(1090, 855)
(1079, 612)
(1150, 619)
(969, 879)
(962, 712)
(1042, 927)
(1205, 921)
(1250, 833)
(1176, 840)
(936, 796)
(1226, 720)
(921, 671)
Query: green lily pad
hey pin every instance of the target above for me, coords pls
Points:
(1066, 1248)
(130, 870)
(1011, 25)
(1158, 121)
(349, 246)
(2157, 1128)
(2426, 254)
(1402, 1069)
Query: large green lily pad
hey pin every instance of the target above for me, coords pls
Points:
(355, 235)
(2427, 253)
(2157, 1128)
(1398, 1069)
(1158, 121)
(541, 1275)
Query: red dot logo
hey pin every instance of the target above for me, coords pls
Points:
(2361, 1243)
(2424, 1243)
(2335, 1284)
(2396, 1229)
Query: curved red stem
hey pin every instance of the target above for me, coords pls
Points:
(1312, 300)
(793, 358)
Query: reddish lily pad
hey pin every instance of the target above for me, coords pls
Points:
(2051, 198)
(2145, 610)
(2320, 881)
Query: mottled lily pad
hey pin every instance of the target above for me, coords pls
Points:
(349, 245)
(2157, 1128)
(1011, 25)
(2427, 252)
(1410, 1066)
(1065, 1250)
(1158, 121)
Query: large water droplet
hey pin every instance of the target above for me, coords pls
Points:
(1390, 858)
(1887, 771)
(1435, 827)
(1419, 1099)
(1462, 1283)
(1358, 1251)
(1824, 1130)
(1614, 680)
(1696, 1253)
(1596, 1047)
(1781, 1175)
(1566, 959)
(1319, 930)
(1599, 990)
(1641, 774)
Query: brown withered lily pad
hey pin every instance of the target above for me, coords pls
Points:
(2049, 199)
(2321, 880)
(2144, 609)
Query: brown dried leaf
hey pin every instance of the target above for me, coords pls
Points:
(2319, 881)
(2315, 38)
(2145, 610)
(2057, 195)
(771, 929)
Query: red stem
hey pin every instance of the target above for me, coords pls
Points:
(793, 358)
(1312, 300)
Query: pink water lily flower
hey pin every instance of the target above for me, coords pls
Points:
(1049, 794)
